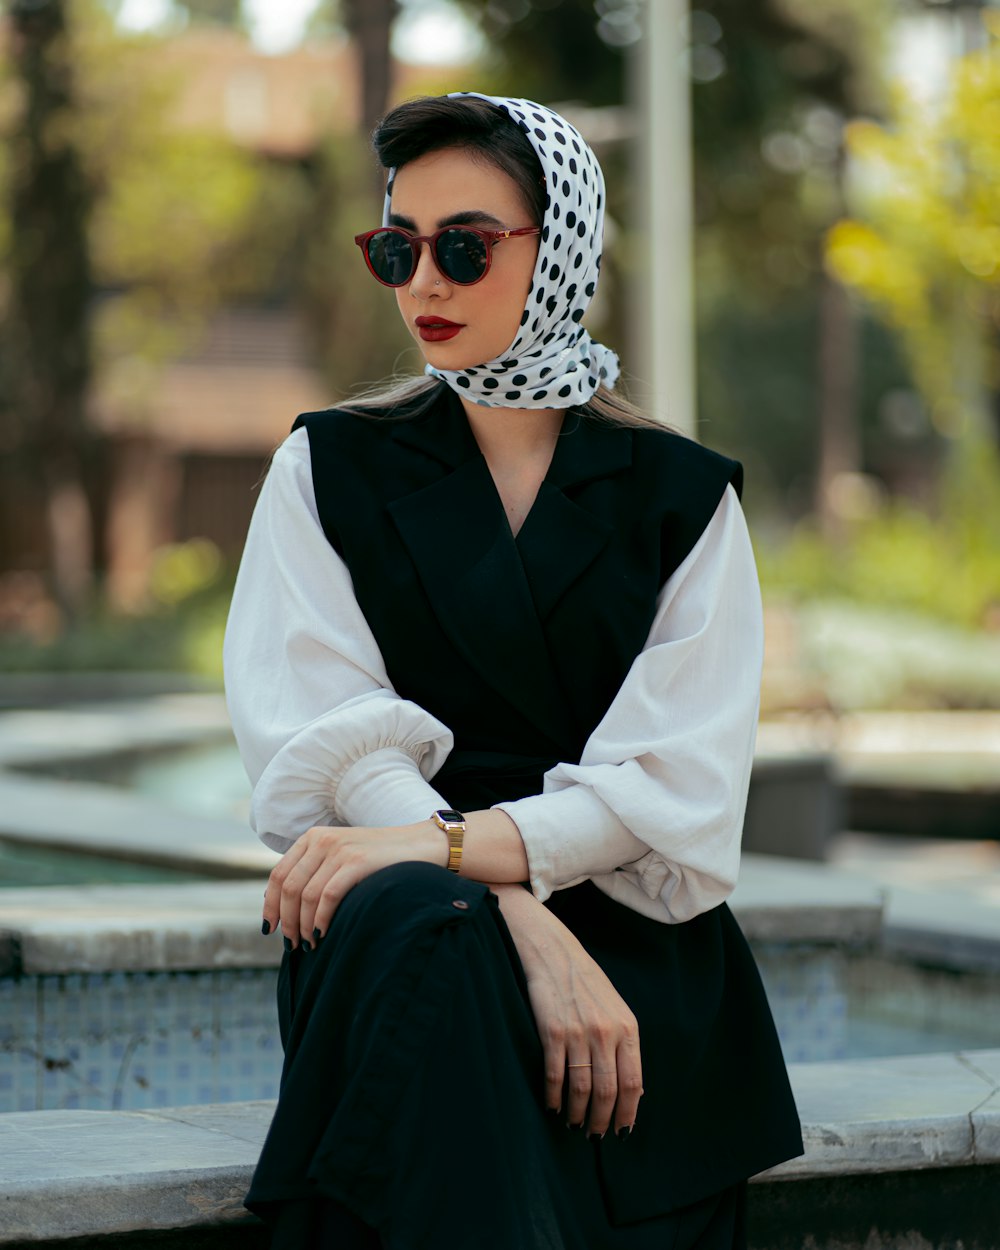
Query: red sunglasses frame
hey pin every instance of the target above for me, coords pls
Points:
(488, 237)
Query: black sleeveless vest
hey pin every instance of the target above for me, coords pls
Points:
(519, 645)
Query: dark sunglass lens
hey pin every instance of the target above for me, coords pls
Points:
(391, 257)
(461, 256)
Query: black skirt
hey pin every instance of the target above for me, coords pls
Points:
(411, 1112)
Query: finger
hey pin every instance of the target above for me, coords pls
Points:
(603, 1092)
(555, 1072)
(578, 1085)
(629, 1064)
(290, 903)
(323, 895)
(272, 895)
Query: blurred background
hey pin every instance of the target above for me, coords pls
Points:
(180, 181)
(802, 267)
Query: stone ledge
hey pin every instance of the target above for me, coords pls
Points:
(79, 1173)
(144, 722)
(55, 691)
(895, 1114)
(943, 928)
(147, 928)
(134, 928)
(791, 900)
(91, 1173)
(82, 816)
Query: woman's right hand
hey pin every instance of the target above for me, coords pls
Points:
(589, 1034)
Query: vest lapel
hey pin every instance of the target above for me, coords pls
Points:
(455, 531)
(490, 592)
(459, 540)
(562, 537)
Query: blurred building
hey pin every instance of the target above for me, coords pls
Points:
(188, 464)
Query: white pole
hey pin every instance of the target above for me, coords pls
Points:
(663, 324)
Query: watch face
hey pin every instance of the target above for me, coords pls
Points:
(450, 815)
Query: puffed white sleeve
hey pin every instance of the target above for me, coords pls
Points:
(653, 813)
(323, 736)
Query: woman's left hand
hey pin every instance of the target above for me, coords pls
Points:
(310, 880)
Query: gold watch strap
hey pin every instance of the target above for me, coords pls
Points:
(455, 829)
(455, 840)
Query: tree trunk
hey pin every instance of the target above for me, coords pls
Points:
(50, 292)
(839, 440)
(369, 23)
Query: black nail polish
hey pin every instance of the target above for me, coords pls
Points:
(265, 928)
(575, 1127)
(288, 943)
(595, 1136)
(316, 935)
(624, 1132)
(305, 945)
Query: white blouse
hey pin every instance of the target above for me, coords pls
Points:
(652, 813)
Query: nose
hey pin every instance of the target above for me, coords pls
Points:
(427, 279)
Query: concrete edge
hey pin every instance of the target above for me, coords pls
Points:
(845, 926)
(62, 930)
(862, 1147)
(106, 1205)
(124, 1197)
(943, 948)
(985, 1121)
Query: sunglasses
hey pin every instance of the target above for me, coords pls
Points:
(461, 253)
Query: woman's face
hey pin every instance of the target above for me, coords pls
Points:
(449, 187)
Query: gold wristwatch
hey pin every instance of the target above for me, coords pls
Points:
(453, 823)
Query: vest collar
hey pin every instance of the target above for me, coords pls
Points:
(586, 448)
(493, 592)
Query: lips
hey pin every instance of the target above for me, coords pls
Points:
(436, 329)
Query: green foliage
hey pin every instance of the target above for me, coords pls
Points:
(181, 633)
(758, 395)
(182, 570)
(946, 566)
(171, 206)
(771, 83)
(850, 656)
(924, 244)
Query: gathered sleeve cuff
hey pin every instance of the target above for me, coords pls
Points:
(324, 737)
(367, 763)
(653, 813)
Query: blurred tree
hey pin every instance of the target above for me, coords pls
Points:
(924, 244)
(121, 234)
(369, 23)
(557, 50)
(772, 82)
(48, 265)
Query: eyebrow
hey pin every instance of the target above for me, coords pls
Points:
(468, 217)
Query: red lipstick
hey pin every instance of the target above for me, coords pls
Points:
(436, 329)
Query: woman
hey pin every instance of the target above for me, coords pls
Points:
(494, 631)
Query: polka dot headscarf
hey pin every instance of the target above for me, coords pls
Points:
(552, 362)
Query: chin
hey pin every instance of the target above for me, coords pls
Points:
(450, 360)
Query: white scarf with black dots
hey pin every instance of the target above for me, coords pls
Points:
(552, 362)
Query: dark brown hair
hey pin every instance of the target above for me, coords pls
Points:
(484, 130)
